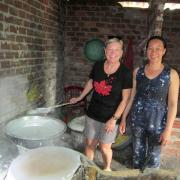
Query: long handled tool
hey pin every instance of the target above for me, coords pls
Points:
(58, 105)
(46, 110)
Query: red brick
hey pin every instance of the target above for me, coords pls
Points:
(1, 26)
(26, 7)
(177, 144)
(175, 133)
(9, 19)
(1, 56)
(13, 11)
(13, 29)
(170, 151)
(5, 64)
(18, 4)
(21, 13)
(176, 124)
(14, 46)
(5, 45)
(3, 7)
(1, 17)
(9, 55)
(22, 30)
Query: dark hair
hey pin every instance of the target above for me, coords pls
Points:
(156, 37)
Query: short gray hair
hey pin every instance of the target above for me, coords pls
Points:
(109, 41)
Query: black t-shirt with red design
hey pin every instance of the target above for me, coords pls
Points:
(107, 93)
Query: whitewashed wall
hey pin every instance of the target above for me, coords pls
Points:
(13, 100)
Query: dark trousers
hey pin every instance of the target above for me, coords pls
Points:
(146, 148)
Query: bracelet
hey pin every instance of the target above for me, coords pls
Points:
(115, 118)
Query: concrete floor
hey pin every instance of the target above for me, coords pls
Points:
(121, 163)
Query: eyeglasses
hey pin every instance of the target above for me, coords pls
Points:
(117, 37)
(109, 80)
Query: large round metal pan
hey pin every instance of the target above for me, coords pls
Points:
(122, 141)
(77, 124)
(45, 163)
(34, 131)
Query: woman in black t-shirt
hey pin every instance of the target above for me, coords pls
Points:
(111, 83)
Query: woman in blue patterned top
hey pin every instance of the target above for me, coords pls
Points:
(152, 107)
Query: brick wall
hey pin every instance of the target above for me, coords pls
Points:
(31, 43)
(171, 152)
(171, 31)
(85, 21)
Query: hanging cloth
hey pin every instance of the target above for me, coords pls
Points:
(128, 61)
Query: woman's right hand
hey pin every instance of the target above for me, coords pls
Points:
(74, 100)
(122, 126)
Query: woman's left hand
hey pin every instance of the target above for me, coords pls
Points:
(164, 138)
(110, 125)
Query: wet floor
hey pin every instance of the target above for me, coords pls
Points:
(121, 163)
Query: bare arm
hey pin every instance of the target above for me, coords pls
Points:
(172, 106)
(112, 122)
(87, 88)
(125, 98)
(122, 126)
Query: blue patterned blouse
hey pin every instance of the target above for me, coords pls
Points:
(149, 109)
